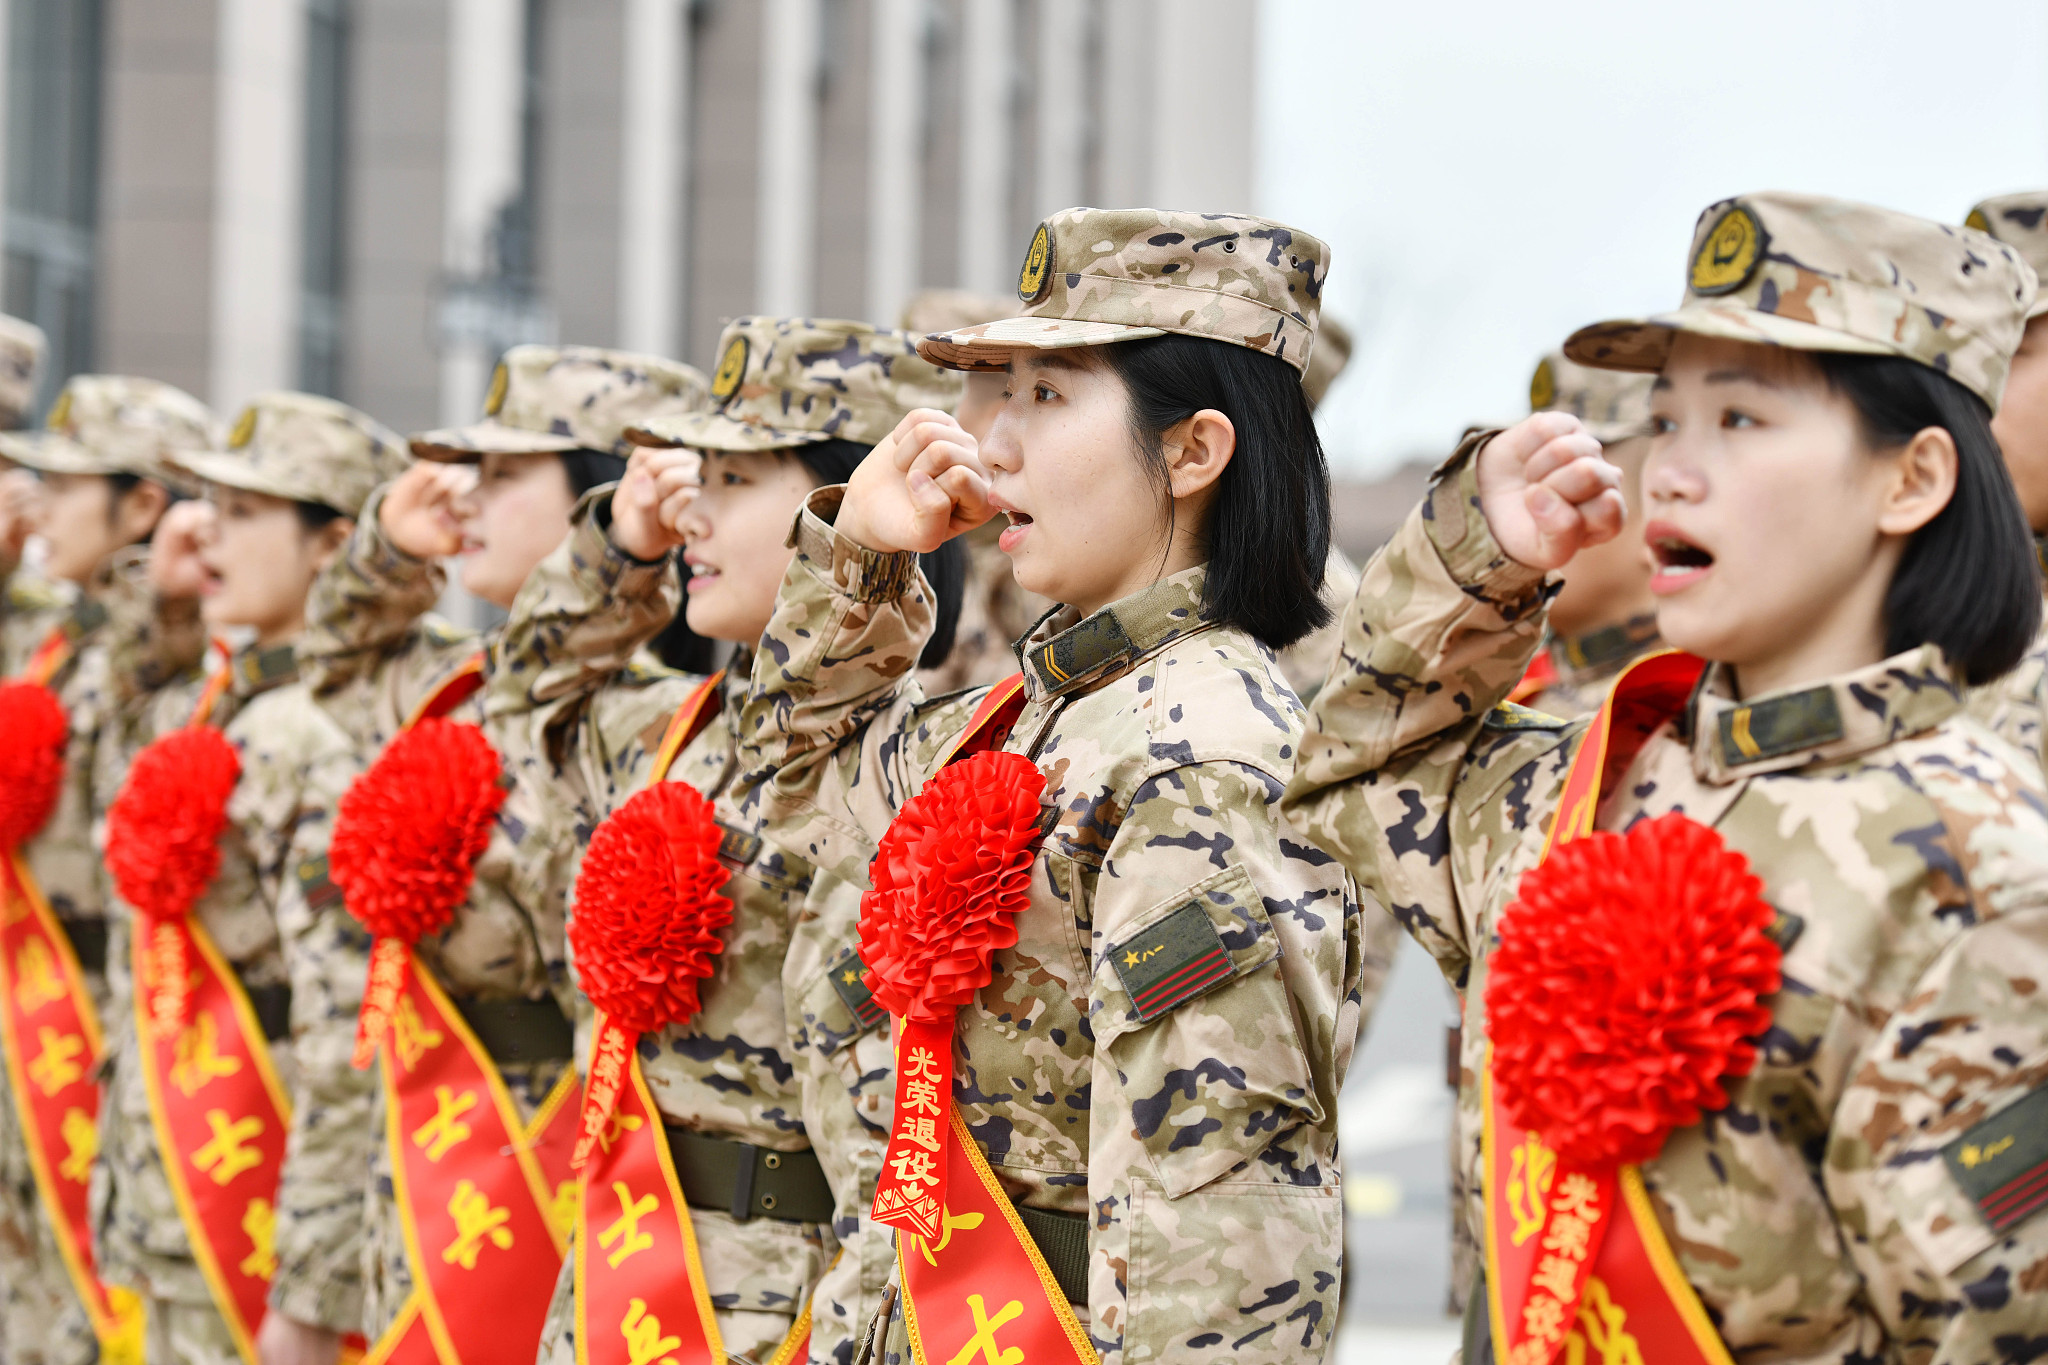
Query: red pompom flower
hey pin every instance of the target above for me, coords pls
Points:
(953, 871)
(1626, 987)
(31, 759)
(408, 833)
(648, 908)
(163, 830)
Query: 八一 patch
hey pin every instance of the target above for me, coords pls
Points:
(849, 979)
(1729, 255)
(1175, 960)
(2002, 1163)
(315, 885)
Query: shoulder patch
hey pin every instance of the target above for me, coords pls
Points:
(849, 980)
(1510, 716)
(315, 885)
(2002, 1163)
(1175, 960)
(737, 846)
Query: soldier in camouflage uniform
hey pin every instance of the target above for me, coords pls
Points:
(2017, 705)
(1602, 619)
(106, 454)
(1840, 1207)
(372, 654)
(295, 471)
(774, 1062)
(34, 601)
(1186, 1153)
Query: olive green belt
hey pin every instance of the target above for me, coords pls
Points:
(1062, 1240)
(272, 1005)
(520, 1030)
(747, 1181)
(88, 943)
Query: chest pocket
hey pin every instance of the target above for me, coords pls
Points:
(1190, 1006)
(837, 1006)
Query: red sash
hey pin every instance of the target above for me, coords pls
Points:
(640, 1292)
(975, 1286)
(1576, 1262)
(50, 1039)
(482, 1195)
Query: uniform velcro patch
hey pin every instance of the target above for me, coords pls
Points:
(1511, 716)
(314, 884)
(1080, 650)
(1175, 960)
(849, 980)
(737, 846)
(1780, 725)
(2002, 1163)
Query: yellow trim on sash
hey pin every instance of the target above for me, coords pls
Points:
(1683, 1296)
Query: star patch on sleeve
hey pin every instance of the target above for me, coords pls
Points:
(315, 885)
(1175, 960)
(2002, 1163)
(848, 977)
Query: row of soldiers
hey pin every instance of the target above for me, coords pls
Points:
(553, 992)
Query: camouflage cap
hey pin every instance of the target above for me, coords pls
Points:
(1819, 274)
(1330, 358)
(1614, 404)
(785, 382)
(306, 448)
(116, 424)
(1095, 276)
(2021, 222)
(22, 349)
(550, 399)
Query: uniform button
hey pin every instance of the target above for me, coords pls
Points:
(773, 1161)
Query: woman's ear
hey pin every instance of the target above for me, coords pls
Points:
(328, 540)
(1198, 450)
(138, 510)
(1923, 479)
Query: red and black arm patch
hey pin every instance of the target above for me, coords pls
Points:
(848, 977)
(1178, 958)
(315, 885)
(2002, 1163)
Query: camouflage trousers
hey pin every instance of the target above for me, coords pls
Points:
(760, 1273)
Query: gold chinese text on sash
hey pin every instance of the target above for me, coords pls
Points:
(1577, 1266)
(50, 1041)
(640, 1291)
(975, 1286)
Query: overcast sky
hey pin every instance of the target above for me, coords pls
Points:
(1493, 173)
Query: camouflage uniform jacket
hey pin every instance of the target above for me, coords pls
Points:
(1198, 1139)
(1905, 845)
(372, 654)
(569, 668)
(30, 608)
(279, 739)
(2016, 705)
(1587, 665)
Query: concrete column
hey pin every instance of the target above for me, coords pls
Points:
(1213, 172)
(486, 63)
(259, 104)
(986, 89)
(1129, 115)
(895, 180)
(1062, 101)
(789, 156)
(654, 172)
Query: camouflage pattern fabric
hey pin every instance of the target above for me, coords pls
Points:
(371, 655)
(303, 447)
(570, 667)
(1588, 664)
(558, 398)
(116, 424)
(31, 606)
(1819, 1215)
(23, 349)
(1199, 1140)
(2016, 705)
(1095, 276)
(126, 645)
(1821, 274)
(1614, 404)
(784, 382)
(2021, 222)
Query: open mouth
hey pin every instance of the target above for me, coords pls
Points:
(1014, 534)
(702, 576)
(1678, 561)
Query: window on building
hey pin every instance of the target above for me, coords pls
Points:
(325, 205)
(53, 125)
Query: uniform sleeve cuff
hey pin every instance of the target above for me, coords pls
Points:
(590, 541)
(336, 1307)
(377, 554)
(851, 569)
(1465, 543)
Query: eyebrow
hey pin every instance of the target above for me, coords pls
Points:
(1743, 375)
(1051, 360)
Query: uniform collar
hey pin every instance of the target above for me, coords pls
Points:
(1597, 653)
(1840, 718)
(255, 669)
(1065, 652)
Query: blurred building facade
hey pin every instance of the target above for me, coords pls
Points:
(370, 198)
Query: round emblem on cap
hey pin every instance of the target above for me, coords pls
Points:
(1978, 221)
(501, 380)
(732, 366)
(245, 429)
(1034, 281)
(1542, 387)
(60, 412)
(1729, 255)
